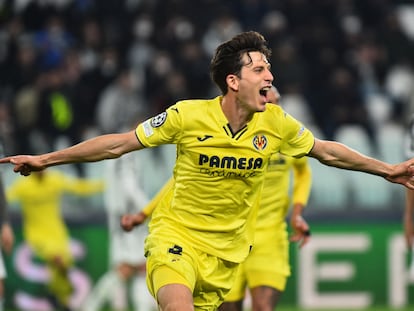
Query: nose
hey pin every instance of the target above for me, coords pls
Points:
(269, 76)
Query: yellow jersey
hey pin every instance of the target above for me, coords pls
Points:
(218, 175)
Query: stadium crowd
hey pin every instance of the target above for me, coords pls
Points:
(70, 69)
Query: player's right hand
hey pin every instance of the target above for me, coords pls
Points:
(128, 221)
(24, 164)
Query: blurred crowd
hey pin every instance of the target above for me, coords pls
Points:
(70, 69)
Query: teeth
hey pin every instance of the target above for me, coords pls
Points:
(264, 90)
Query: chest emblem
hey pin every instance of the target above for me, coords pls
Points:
(260, 142)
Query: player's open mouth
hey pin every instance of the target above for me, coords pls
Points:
(263, 92)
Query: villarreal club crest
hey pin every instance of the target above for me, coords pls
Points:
(260, 142)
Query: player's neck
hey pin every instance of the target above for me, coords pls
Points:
(237, 115)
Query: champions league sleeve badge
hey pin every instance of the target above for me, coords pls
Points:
(159, 119)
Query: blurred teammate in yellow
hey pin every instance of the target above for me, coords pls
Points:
(44, 228)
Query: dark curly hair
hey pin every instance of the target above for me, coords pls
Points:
(228, 57)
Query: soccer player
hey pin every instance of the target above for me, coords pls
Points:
(123, 194)
(195, 244)
(44, 229)
(266, 269)
(7, 240)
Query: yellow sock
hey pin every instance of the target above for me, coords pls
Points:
(60, 285)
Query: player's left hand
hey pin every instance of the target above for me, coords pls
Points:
(301, 230)
(403, 173)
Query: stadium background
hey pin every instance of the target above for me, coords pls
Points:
(70, 69)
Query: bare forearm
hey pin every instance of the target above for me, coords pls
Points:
(340, 156)
(96, 149)
(92, 150)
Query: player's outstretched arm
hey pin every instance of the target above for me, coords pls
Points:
(339, 155)
(95, 149)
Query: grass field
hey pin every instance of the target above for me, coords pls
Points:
(294, 308)
(376, 308)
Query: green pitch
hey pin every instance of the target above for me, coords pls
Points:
(375, 308)
(293, 308)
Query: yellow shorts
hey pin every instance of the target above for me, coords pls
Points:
(173, 261)
(266, 265)
(49, 249)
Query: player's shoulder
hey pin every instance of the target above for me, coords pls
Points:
(273, 114)
(195, 104)
(275, 109)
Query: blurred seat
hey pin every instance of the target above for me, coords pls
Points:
(296, 106)
(405, 13)
(329, 187)
(367, 191)
(379, 108)
(391, 142)
(316, 130)
(399, 82)
(354, 136)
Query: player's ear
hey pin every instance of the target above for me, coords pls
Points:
(233, 82)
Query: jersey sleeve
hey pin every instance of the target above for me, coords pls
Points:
(164, 128)
(297, 139)
(302, 181)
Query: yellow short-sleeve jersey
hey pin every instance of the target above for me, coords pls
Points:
(218, 173)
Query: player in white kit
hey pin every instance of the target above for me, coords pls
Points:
(124, 194)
